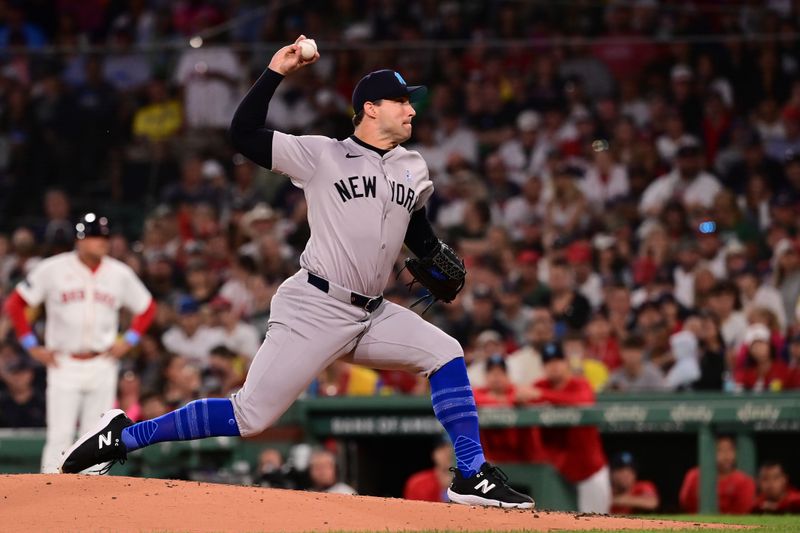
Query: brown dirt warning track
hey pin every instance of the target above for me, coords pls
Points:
(35, 502)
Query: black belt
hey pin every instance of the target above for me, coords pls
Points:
(359, 300)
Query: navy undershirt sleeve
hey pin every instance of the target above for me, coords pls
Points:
(420, 238)
(248, 133)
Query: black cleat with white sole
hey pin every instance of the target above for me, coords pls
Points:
(488, 488)
(102, 444)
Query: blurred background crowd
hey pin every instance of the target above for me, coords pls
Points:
(622, 178)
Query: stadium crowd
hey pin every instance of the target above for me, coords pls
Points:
(616, 185)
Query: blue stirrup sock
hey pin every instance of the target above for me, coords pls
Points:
(454, 406)
(211, 417)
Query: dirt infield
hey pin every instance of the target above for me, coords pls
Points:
(34, 502)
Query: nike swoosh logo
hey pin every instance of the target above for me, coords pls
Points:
(351, 156)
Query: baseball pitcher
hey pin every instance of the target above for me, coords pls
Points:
(366, 197)
(82, 292)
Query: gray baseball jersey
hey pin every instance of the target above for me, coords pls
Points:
(359, 205)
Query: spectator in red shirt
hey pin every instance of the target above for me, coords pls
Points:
(630, 495)
(601, 343)
(775, 495)
(501, 444)
(576, 452)
(431, 485)
(498, 390)
(735, 490)
(763, 370)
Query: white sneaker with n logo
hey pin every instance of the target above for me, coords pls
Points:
(104, 439)
(484, 486)
(100, 445)
(488, 488)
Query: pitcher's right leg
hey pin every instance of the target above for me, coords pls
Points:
(285, 365)
(307, 331)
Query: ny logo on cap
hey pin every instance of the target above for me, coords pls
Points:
(400, 78)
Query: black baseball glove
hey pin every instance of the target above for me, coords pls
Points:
(442, 272)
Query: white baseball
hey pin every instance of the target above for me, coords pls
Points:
(308, 48)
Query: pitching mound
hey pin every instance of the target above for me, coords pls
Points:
(37, 502)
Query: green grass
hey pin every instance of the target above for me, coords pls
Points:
(763, 524)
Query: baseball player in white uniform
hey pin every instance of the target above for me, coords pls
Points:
(82, 292)
(366, 197)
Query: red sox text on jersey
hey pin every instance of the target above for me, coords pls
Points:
(78, 295)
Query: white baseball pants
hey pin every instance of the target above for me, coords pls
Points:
(78, 392)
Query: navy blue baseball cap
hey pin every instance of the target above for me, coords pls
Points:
(623, 459)
(552, 351)
(495, 360)
(384, 84)
(187, 305)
